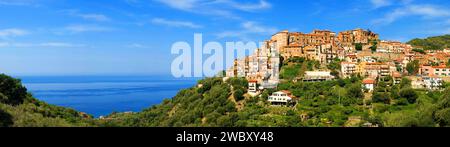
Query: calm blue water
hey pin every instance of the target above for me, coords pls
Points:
(102, 95)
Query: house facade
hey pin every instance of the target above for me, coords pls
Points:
(280, 98)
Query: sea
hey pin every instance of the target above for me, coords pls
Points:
(103, 95)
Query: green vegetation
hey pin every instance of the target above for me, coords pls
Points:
(335, 67)
(432, 43)
(448, 63)
(413, 67)
(359, 46)
(218, 103)
(320, 104)
(419, 50)
(239, 86)
(374, 46)
(296, 67)
(289, 72)
(19, 109)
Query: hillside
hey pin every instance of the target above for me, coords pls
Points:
(217, 103)
(321, 104)
(19, 109)
(432, 43)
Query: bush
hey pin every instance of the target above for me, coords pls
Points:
(239, 94)
(5, 119)
(402, 102)
(296, 60)
(355, 91)
(413, 67)
(409, 94)
(358, 46)
(380, 97)
(11, 90)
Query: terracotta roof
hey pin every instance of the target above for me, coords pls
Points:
(253, 81)
(396, 75)
(440, 66)
(368, 81)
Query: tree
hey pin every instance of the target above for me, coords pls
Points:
(432, 43)
(6, 119)
(335, 64)
(358, 46)
(239, 94)
(296, 60)
(402, 102)
(405, 82)
(381, 97)
(419, 50)
(398, 67)
(224, 121)
(442, 113)
(409, 94)
(238, 82)
(374, 46)
(448, 63)
(355, 91)
(413, 67)
(395, 92)
(12, 90)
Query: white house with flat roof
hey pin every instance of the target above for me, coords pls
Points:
(280, 98)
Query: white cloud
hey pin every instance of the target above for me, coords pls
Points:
(173, 23)
(223, 8)
(384, 3)
(4, 44)
(424, 11)
(96, 17)
(12, 32)
(60, 44)
(80, 28)
(248, 29)
(45, 44)
(380, 3)
(254, 27)
(260, 5)
(87, 16)
(136, 45)
(182, 4)
(19, 3)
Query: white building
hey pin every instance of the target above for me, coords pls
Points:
(317, 76)
(369, 84)
(280, 98)
(369, 59)
(253, 88)
(347, 69)
(432, 83)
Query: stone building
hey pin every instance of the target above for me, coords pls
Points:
(347, 39)
(262, 66)
(393, 47)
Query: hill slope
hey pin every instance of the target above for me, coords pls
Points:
(19, 109)
(432, 43)
(321, 104)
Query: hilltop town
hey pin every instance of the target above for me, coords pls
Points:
(357, 52)
(352, 79)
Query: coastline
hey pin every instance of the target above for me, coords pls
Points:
(103, 95)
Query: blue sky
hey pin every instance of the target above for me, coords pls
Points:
(134, 37)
